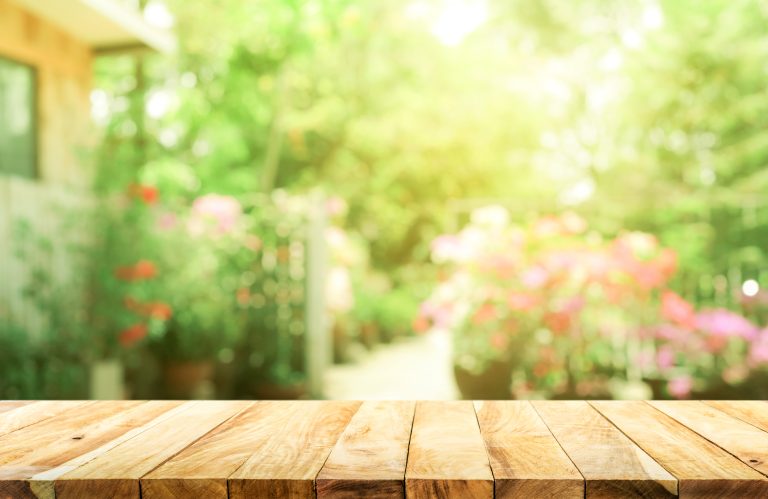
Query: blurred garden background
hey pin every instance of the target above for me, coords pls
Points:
(383, 199)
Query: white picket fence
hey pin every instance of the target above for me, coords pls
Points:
(57, 233)
(46, 247)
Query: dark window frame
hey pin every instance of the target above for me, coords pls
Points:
(35, 118)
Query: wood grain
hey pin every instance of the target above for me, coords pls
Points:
(447, 456)
(741, 439)
(612, 465)
(39, 447)
(370, 457)
(100, 438)
(525, 458)
(9, 405)
(754, 412)
(25, 415)
(202, 469)
(701, 467)
(297, 439)
(116, 473)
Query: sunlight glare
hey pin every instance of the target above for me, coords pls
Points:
(750, 287)
(458, 19)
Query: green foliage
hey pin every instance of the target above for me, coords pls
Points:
(639, 115)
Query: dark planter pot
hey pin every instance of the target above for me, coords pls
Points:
(191, 379)
(340, 344)
(658, 388)
(275, 391)
(369, 335)
(491, 384)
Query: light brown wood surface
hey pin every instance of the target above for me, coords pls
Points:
(754, 412)
(7, 405)
(701, 467)
(447, 456)
(370, 456)
(100, 438)
(55, 439)
(525, 458)
(303, 449)
(741, 439)
(116, 473)
(298, 437)
(29, 414)
(612, 465)
(202, 468)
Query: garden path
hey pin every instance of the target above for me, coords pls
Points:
(416, 368)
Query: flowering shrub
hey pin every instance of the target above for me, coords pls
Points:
(575, 312)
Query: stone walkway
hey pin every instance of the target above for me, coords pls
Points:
(417, 368)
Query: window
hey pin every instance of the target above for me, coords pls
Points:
(18, 110)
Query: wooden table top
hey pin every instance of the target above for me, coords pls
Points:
(219, 449)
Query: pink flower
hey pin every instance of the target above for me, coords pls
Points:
(335, 206)
(166, 221)
(680, 387)
(547, 227)
(221, 211)
(438, 314)
(534, 278)
(758, 350)
(723, 323)
(446, 248)
(573, 305)
(670, 332)
(523, 301)
(678, 311)
(573, 223)
(665, 358)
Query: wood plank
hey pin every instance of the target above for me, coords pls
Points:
(447, 456)
(30, 414)
(116, 473)
(33, 449)
(298, 437)
(525, 458)
(202, 469)
(100, 438)
(741, 439)
(754, 412)
(701, 467)
(9, 405)
(370, 456)
(612, 465)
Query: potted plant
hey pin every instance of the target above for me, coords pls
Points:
(547, 301)
(199, 290)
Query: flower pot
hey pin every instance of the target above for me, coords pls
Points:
(491, 384)
(106, 380)
(369, 335)
(189, 380)
(340, 343)
(276, 391)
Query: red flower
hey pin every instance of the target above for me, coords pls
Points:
(159, 310)
(558, 322)
(486, 313)
(133, 334)
(420, 324)
(499, 341)
(243, 296)
(156, 310)
(146, 193)
(676, 310)
(143, 269)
